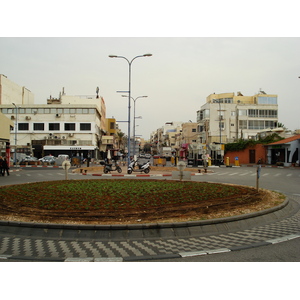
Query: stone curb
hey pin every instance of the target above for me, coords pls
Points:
(147, 225)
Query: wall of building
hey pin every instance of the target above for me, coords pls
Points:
(11, 92)
(5, 127)
(244, 155)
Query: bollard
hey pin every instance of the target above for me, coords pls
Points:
(227, 161)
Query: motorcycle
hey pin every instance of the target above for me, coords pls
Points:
(134, 166)
(110, 167)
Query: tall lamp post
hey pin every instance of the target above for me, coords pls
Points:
(16, 133)
(134, 100)
(220, 123)
(129, 95)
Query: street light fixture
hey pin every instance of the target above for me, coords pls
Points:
(134, 118)
(16, 132)
(129, 94)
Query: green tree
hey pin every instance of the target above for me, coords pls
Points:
(121, 139)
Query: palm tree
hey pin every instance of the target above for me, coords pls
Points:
(120, 138)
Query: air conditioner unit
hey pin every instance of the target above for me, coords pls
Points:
(45, 137)
(28, 118)
(63, 137)
(57, 115)
(71, 134)
(12, 117)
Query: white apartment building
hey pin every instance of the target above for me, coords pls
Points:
(73, 125)
(225, 118)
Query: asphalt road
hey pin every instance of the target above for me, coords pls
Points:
(278, 179)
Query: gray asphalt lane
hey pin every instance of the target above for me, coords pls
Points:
(283, 180)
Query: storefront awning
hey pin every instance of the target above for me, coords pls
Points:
(59, 147)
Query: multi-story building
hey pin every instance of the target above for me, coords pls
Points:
(5, 129)
(73, 125)
(225, 118)
(187, 139)
(165, 136)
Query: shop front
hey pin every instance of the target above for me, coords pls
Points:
(83, 152)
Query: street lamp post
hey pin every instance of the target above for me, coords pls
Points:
(129, 95)
(16, 133)
(220, 118)
(134, 100)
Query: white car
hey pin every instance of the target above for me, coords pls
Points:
(48, 159)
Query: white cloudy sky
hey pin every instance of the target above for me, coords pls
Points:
(182, 72)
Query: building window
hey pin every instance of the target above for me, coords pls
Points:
(262, 113)
(112, 125)
(38, 126)
(23, 126)
(243, 124)
(54, 126)
(267, 100)
(69, 126)
(256, 124)
(85, 126)
(269, 124)
(242, 112)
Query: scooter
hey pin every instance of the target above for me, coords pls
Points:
(135, 167)
(109, 167)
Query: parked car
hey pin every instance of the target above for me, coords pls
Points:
(28, 159)
(148, 156)
(49, 159)
(63, 156)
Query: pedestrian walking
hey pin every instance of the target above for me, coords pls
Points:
(1, 161)
(5, 167)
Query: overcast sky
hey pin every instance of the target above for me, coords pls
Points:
(178, 77)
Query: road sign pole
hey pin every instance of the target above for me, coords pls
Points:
(257, 176)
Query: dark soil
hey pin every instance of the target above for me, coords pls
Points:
(248, 200)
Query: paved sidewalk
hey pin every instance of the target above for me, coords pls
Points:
(46, 242)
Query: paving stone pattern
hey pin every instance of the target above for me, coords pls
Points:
(119, 249)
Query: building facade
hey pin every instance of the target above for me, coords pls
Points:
(73, 125)
(225, 118)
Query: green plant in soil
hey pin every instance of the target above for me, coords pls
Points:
(89, 195)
